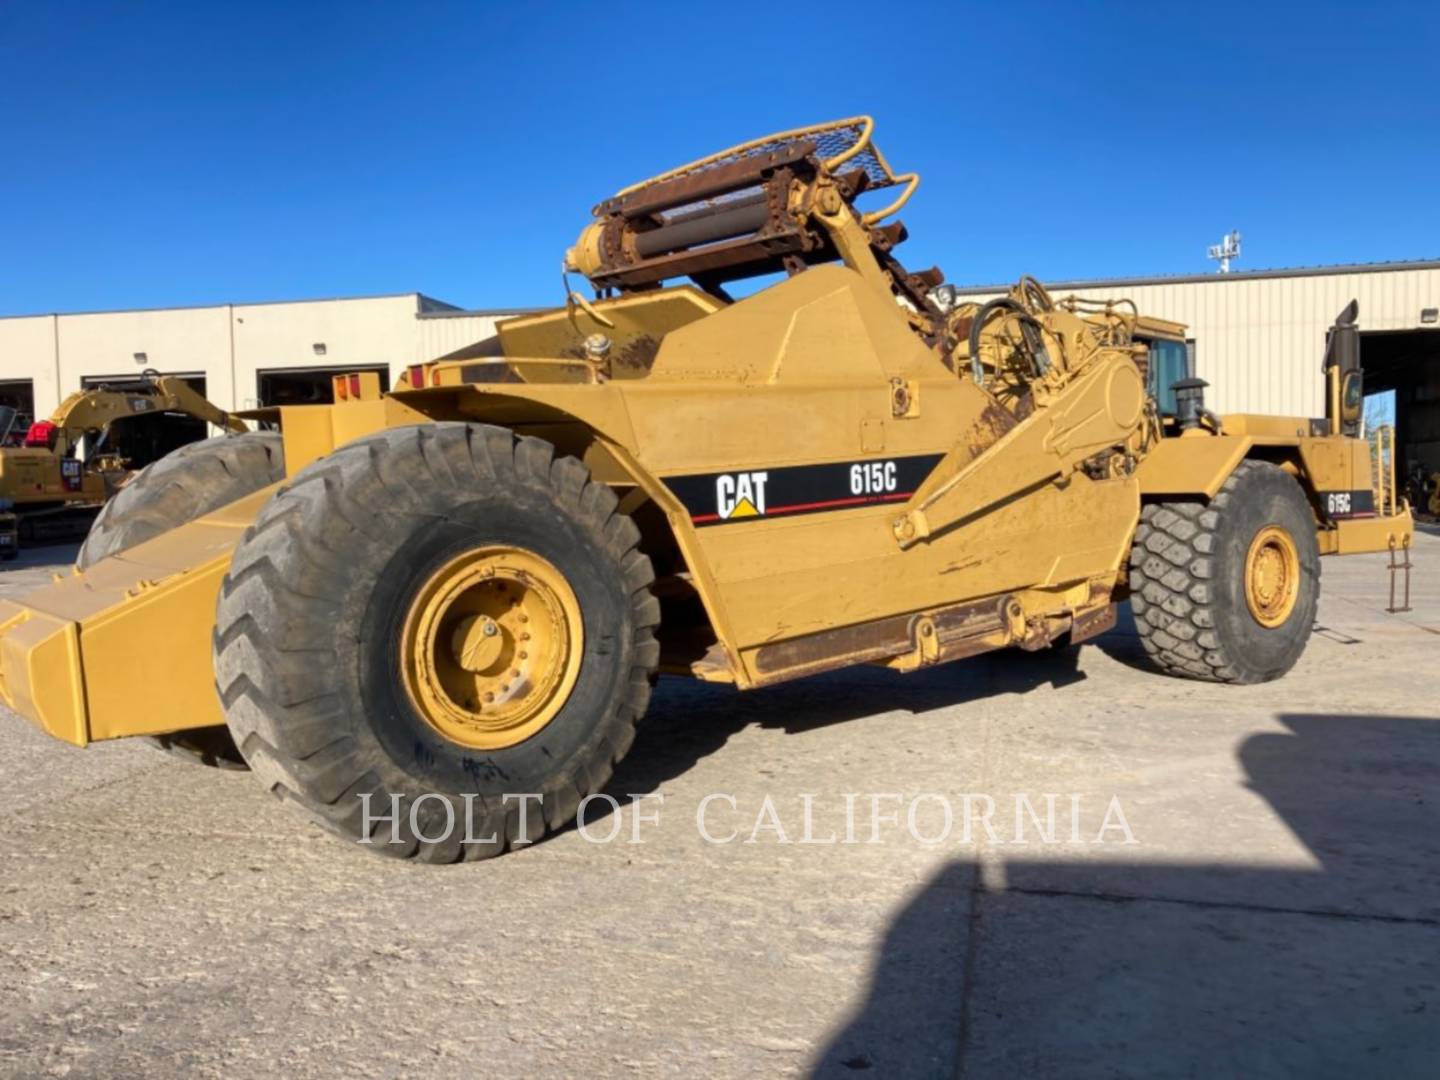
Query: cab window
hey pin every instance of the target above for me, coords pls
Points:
(1169, 363)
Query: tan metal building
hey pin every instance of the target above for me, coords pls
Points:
(238, 355)
(1258, 337)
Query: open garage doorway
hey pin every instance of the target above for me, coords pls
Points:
(1407, 363)
(143, 439)
(306, 386)
(17, 395)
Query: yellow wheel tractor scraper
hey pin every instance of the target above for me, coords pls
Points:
(466, 588)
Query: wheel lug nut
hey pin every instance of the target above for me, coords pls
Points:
(489, 697)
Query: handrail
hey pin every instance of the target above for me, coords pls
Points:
(911, 182)
(1382, 470)
(862, 143)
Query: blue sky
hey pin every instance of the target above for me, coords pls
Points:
(159, 154)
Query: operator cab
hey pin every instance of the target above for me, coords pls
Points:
(1170, 360)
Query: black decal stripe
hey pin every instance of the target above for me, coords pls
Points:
(1362, 504)
(803, 489)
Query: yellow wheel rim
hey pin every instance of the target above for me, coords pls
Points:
(1272, 576)
(491, 647)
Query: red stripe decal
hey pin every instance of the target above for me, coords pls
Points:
(858, 500)
(799, 508)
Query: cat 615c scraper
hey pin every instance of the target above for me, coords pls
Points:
(465, 589)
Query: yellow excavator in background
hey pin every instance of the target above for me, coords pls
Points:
(55, 475)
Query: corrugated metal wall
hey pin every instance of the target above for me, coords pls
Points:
(1259, 340)
(441, 334)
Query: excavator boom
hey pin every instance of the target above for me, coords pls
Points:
(53, 485)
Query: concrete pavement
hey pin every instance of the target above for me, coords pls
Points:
(1278, 912)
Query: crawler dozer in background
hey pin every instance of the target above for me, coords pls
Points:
(432, 619)
(67, 466)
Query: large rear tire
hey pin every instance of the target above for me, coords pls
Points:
(180, 487)
(1226, 591)
(429, 625)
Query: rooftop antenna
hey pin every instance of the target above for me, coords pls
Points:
(1228, 248)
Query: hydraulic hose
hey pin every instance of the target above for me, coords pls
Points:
(1030, 328)
(977, 370)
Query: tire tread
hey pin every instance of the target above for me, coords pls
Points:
(282, 734)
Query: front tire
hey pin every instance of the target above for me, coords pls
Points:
(369, 651)
(1226, 591)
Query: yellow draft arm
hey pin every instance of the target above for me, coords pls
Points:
(1100, 409)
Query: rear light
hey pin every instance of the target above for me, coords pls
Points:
(435, 376)
(417, 376)
(355, 387)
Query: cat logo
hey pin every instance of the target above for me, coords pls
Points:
(792, 490)
(740, 495)
(70, 474)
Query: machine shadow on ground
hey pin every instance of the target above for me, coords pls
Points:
(688, 721)
(1155, 969)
